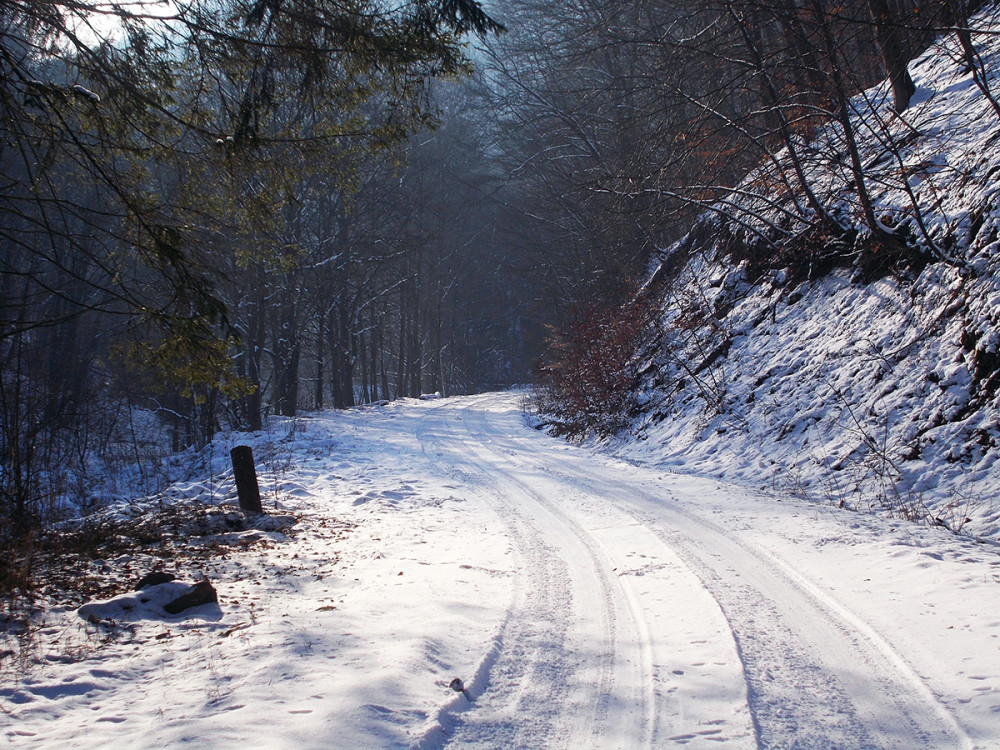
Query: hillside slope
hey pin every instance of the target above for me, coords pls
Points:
(850, 372)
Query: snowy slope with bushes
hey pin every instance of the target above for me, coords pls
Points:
(847, 369)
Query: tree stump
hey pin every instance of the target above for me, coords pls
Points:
(246, 479)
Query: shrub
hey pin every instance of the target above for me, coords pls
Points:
(590, 378)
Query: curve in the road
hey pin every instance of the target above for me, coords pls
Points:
(813, 674)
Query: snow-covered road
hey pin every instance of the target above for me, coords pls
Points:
(640, 620)
(583, 602)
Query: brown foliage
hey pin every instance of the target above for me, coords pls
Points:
(590, 378)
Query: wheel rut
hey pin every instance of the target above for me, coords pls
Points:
(561, 653)
(601, 546)
(816, 676)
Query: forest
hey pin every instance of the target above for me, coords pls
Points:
(220, 210)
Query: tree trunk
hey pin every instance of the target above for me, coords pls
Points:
(347, 341)
(363, 360)
(401, 357)
(959, 12)
(286, 363)
(843, 114)
(374, 349)
(384, 368)
(341, 361)
(895, 52)
(251, 404)
(795, 37)
(415, 358)
(318, 394)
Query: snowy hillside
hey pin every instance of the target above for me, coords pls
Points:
(842, 370)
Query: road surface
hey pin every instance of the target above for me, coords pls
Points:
(638, 621)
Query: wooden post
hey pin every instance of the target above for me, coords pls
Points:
(246, 479)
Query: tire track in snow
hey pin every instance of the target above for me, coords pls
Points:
(540, 688)
(815, 672)
(525, 663)
(615, 600)
(653, 677)
(618, 597)
(691, 671)
(817, 676)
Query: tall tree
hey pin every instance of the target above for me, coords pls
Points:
(146, 151)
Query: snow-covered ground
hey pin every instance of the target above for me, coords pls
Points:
(880, 393)
(582, 602)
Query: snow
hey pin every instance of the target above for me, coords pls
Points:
(150, 603)
(582, 600)
(878, 394)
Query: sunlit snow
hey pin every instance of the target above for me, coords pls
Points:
(582, 601)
